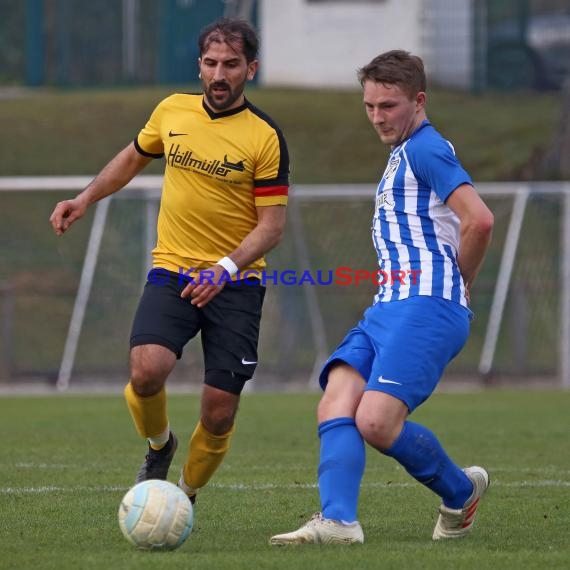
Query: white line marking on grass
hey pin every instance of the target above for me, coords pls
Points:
(546, 471)
(536, 484)
(257, 487)
(55, 489)
(45, 466)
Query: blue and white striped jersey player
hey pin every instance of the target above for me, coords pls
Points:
(431, 231)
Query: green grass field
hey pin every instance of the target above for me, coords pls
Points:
(68, 460)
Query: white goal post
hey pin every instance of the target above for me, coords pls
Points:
(148, 188)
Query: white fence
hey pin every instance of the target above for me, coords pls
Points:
(522, 297)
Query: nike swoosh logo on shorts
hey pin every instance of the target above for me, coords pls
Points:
(385, 381)
(246, 362)
(171, 134)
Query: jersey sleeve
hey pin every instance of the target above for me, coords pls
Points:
(271, 178)
(438, 167)
(149, 142)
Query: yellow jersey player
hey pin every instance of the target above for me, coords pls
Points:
(222, 208)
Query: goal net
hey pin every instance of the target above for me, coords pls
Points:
(66, 304)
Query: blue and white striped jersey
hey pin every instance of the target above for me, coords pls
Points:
(415, 234)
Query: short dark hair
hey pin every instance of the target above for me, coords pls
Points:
(240, 35)
(396, 67)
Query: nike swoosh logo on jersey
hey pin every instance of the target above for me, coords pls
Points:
(246, 362)
(171, 134)
(385, 381)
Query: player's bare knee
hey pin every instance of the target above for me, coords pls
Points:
(218, 410)
(144, 384)
(336, 407)
(150, 366)
(220, 400)
(339, 402)
(218, 421)
(328, 408)
(147, 380)
(376, 431)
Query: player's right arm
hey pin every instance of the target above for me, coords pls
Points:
(114, 176)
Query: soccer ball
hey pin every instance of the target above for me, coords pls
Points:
(156, 515)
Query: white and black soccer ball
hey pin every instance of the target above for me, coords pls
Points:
(156, 515)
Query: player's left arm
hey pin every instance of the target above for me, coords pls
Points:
(264, 237)
(476, 226)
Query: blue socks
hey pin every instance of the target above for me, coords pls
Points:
(341, 468)
(417, 449)
(420, 453)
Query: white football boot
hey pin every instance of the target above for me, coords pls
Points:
(455, 523)
(322, 531)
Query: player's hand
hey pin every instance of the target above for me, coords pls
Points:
(468, 295)
(65, 213)
(206, 286)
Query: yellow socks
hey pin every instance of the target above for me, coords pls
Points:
(149, 416)
(205, 453)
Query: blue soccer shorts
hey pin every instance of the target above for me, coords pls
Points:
(402, 347)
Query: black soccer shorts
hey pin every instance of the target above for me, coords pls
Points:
(229, 323)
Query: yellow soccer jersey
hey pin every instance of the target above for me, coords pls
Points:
(219, 167)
